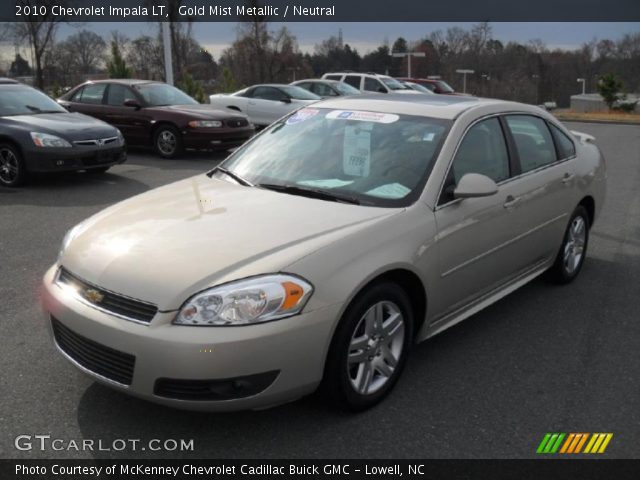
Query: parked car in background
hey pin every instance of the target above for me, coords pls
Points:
(326, 247)
(266, 103)
(159, 115)
(417, 87)
(369, 82)
(38, 135)
(433, 84)
(327, 88)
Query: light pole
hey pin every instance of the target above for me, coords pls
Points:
(168, 60)
(408, 55)
(582, 81)
(464, 72)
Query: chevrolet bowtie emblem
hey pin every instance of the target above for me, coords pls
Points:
(94, 296)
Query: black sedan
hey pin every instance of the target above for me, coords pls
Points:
(38, 135)
(159, 115)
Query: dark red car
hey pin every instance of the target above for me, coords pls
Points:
(433, 84)
(159, 115)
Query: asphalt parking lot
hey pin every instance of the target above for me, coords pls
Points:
(544, 359)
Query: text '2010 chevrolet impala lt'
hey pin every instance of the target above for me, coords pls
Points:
(322, 249)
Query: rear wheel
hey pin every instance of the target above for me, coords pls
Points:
(167, 141)
(573, 250)
(370, 347)
(13, 172)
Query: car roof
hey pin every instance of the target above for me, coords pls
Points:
(317, 80)
(8, 81)
(435, 106)
(124, 81)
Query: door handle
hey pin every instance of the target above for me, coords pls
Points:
(511, 201)
(567, 177)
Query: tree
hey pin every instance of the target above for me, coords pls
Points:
(192, 87)
(39, 31)
(20, 67)
(116, 65)
(609, 87)
(145, 57)
(227, 83)
(87, 49)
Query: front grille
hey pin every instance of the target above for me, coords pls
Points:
(237, 122)
(100, 158)
(96, 141)
(110, 302)
(99, 359)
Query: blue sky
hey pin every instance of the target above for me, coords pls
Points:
(367, 36)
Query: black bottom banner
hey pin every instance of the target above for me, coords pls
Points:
(351, 469)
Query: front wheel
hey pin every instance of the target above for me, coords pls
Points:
(573, 250)
(167, 141)
(370, 347)
(13, 172)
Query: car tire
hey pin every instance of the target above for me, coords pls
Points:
(573, 250)
(97, 171)
(13, 171)
(367, 356)
(167, 141)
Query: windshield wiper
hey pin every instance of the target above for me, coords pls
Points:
(39, 110)
(310, 192)
(235, 176)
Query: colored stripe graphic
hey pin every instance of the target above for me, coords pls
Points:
(574, 442)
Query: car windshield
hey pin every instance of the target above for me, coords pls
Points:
(417, 87)
(445, 87)
(24, 100)
(346, 89)
(299, 93)
(371, 158)
(159, 94)
(393, 84)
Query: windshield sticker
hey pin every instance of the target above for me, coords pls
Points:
(390, 190)
(362, 116)
(302, 115)
(326, 183)
(356, 151)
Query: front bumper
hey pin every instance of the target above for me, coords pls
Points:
(53, 159)
(216, 138)
(283, 359)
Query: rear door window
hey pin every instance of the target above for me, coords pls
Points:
(566, 147)
(533, 141)
(353, 80)
(92, 94)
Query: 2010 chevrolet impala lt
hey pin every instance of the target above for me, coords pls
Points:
(322, 249)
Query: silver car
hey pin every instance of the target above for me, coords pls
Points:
(319, 252)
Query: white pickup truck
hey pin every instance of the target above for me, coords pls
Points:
(264, 104)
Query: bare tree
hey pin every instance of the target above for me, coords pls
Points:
(39, 31)
(87, 49)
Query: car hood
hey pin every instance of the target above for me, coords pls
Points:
(201, 111)
(72, 126)
(167, 244)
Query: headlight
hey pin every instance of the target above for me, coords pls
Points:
(120, 138)
(68, 238)
(46, 140)
(205, 123)
(244, 302)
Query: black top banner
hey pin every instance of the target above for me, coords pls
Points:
(321, 10)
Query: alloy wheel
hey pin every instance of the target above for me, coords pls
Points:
(376, 347)
(9, 166)
(167, 142)
(574, 247)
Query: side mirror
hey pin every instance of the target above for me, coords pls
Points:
(130, 102)
(285, 100)
(474, 185)
(382, 90)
